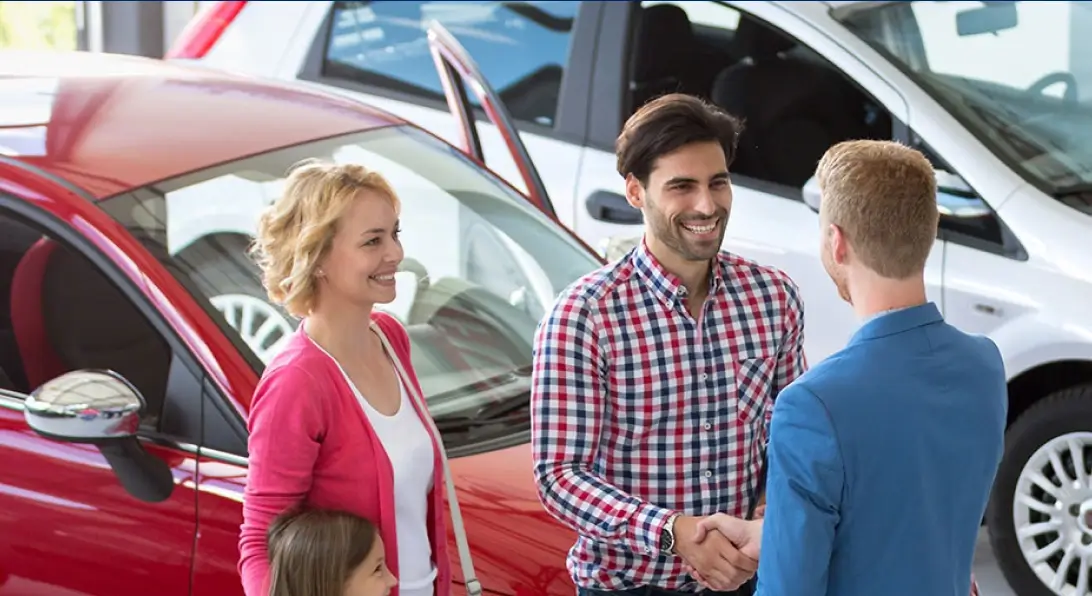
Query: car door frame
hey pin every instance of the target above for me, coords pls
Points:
(60, 218)
(571, 123)
(69, 216)
(613, 65)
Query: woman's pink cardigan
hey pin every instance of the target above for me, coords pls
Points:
(310, 442)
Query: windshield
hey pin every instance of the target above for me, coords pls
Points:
(481, 265)
(1018, 75)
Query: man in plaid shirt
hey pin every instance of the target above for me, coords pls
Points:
(654, 377)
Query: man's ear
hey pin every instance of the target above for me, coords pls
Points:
(839, 246)
(635, 193)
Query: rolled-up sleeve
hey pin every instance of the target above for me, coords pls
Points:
(803, 497)
(568, 405)
(286, 426)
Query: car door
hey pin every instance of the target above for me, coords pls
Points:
(68, 526)
(536, 54)
(769, 222)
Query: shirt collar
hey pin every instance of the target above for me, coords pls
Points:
(666, 285)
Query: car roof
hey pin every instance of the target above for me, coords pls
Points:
(111, 123)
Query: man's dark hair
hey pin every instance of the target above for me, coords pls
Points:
(668, 123)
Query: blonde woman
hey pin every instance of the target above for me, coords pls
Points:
(327, 553)
(338, 421)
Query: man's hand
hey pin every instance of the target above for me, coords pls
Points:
(711, 557)
(744, 535)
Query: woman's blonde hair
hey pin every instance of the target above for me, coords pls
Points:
(295, 232)
(314, 552)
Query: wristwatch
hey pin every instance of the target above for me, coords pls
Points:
(667, 536)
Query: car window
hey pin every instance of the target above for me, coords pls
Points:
(796, 105)
(59, 312)
(521, 47)
(1016, 74)
(481, 266)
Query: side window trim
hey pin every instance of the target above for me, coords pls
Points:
(56, 229)
(571, 123)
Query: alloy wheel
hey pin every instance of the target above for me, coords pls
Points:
(1052, 514)
(259, 324)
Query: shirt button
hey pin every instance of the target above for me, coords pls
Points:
(709, 473)
(707, 425)
(704, 377)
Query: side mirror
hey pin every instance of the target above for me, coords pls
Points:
(85, 406)
(953, 183)
(811, 193)
(103, 409)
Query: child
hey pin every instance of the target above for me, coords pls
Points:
(327, 553)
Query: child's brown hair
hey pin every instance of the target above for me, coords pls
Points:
(314, 552)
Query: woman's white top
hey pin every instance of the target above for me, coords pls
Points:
(408, 444)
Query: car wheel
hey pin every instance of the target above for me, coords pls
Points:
(223, 272)
(1040, 513)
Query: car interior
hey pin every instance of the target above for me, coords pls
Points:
(794, 104)
(61, 313)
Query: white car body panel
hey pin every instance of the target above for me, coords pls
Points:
(966, 282)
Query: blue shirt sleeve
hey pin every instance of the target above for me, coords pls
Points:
(803, 497)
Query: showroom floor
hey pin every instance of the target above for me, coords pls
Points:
(990, 580)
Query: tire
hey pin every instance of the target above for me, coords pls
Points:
(1067, 412)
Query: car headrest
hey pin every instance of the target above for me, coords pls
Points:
(664, 36)
(758, 42)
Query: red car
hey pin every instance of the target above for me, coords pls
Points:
(128, 192)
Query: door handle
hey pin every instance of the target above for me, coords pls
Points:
(612, 207)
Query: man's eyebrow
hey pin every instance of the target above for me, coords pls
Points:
(689, 180)
(680, 180)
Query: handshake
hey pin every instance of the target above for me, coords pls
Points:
(719, 551)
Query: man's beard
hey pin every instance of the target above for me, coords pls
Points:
(673, 236)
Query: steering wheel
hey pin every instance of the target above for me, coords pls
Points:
(1070, 95)
(418, 270)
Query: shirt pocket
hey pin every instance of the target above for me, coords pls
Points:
(754, 384)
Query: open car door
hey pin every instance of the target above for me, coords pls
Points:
(457, 72)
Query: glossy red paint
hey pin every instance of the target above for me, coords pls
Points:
(518, 549)
(79, 532)
(116, 123)
(70, 528)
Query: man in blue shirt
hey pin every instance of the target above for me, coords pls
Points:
(881, 458)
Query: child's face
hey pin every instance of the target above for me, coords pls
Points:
(372, 577)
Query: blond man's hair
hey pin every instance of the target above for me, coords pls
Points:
(883, 197)
(295, 232)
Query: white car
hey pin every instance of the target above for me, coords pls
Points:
(998, 95)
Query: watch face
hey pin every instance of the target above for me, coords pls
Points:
(667, 540)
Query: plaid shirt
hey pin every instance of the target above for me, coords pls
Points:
(639, 411)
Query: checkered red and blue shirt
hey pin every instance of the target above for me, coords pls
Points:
(639, 411)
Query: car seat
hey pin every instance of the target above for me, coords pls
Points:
(40, 362)
(793, 110)
(83, 321)
(663, 45)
